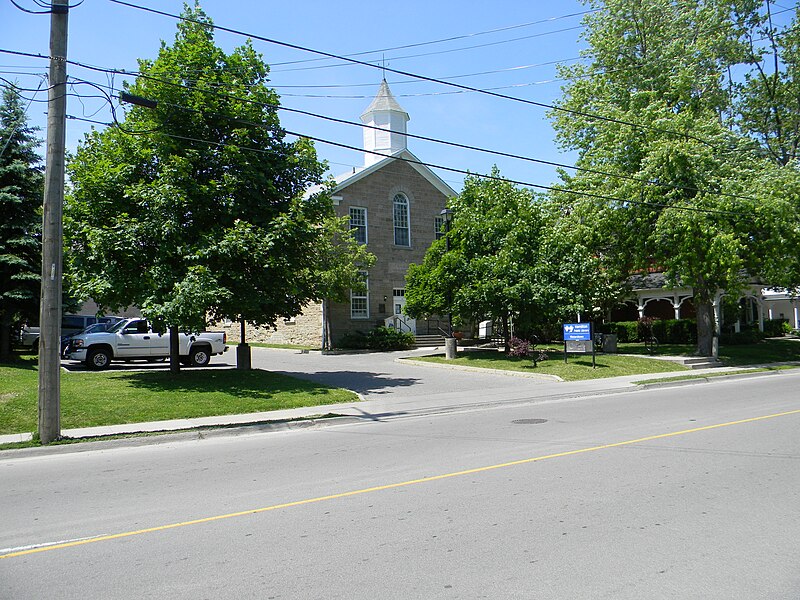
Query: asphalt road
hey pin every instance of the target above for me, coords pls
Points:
(686, 492)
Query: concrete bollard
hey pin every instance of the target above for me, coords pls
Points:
(450, 348)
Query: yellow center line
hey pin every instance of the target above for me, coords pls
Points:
(389, 486)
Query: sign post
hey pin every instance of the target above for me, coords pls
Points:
(579, 334)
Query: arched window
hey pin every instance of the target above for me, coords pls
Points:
(402, 234)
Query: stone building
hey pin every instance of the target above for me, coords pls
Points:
(394, 204)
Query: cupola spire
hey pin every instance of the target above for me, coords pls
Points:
(385, 114)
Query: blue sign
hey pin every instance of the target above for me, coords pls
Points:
(577, 332)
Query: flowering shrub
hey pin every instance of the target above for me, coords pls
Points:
(521, 348)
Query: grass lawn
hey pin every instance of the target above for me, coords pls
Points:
(578, 366)
(109, 398)
(764, 352)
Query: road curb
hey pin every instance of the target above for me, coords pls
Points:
(422, 363)
(703, 379)
(165, 436)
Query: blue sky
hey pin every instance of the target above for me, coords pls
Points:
(108, 35)
(519, 40)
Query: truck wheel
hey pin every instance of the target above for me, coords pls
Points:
(35, 346)
(98, 359)
(199, 357)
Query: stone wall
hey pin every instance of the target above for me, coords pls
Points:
(304, 330)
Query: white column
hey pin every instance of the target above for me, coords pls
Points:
(770, 313)
(677, 308)
(796, 315)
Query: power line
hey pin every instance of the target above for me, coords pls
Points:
(419, 137)
(43, 5)
(32, 12)
(432, 166)
(527, 37)
(409, 74)
(405, 81)
(447, 39)
(408, 135)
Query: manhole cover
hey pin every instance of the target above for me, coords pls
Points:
(529, 421)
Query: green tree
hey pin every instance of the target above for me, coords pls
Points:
(512, 257)
(21, 187)
(195, 207)
(768, 101)
(663, 145)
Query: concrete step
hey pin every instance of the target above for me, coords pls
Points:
(696, 360)
(426, 341)
(702, 362)
(711, 363)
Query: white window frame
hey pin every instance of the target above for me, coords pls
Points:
(360, 313)
(405, 215)
(359, 226)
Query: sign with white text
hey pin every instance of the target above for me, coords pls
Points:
(574, 332)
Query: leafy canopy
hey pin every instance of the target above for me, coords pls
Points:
(512, 255)
(669, 149)
(196, 208)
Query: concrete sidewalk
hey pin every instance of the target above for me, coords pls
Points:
(426, 388)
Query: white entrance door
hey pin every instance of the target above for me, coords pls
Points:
(404, 322)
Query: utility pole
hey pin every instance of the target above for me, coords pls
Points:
(52, 233)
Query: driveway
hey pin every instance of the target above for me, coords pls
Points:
(388, 383)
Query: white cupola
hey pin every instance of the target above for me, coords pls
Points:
(389, 117)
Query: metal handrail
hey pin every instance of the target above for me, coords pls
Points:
(399, 323)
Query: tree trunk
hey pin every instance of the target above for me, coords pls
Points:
(705, 327)
(326, 326)
(174, 350)
(5, 340)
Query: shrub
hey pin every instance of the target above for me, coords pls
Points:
(626, 331)
(671, 331)
(674, 331)
(388, 338)
(380, 338)
(353, 341)
(775, 327)
(521, 348)
(750, 336)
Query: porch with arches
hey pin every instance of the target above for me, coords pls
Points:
(756, 303)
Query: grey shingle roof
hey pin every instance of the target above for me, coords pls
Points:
(385, 101)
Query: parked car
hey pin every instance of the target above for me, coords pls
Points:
(70, 325)
(134, 339)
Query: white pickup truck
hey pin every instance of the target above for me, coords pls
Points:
(133, 339)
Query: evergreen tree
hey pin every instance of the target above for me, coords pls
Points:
(21, 188)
